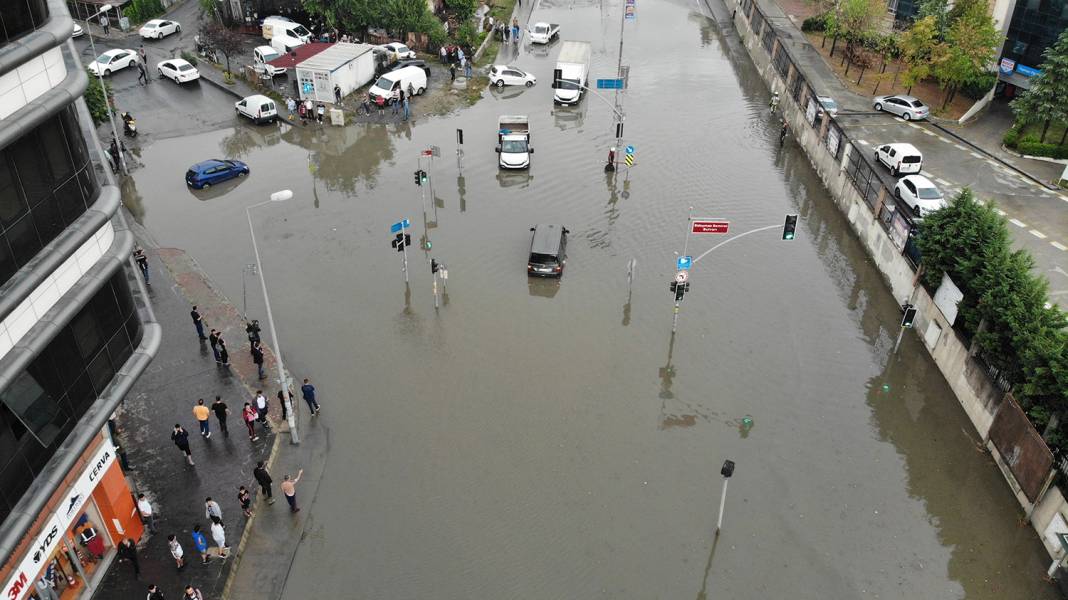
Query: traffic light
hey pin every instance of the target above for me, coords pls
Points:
(422, 177)
(401, 241)
(418, 178)
(434, 266)
(680, 289)
(558, 74)
(909, 316)
(789, 227)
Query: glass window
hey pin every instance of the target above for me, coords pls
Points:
(31, 168)
(54, 145)
(8, 267)
(12, 205)
(48, 218)
(69, 200)
(22, 236)
(20, 17)
(87, 334)
(35, 408)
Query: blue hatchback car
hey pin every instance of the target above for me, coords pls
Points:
(210, 172)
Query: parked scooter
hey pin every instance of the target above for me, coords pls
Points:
(129, 125)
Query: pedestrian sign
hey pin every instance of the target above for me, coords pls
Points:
(394, 228)
(683, 263)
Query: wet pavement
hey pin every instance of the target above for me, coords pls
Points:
(552, 439)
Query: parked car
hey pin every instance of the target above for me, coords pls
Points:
(920, 194)
(502, 75)
(257, 107)
(828, 105)
(906, 107)
(548, 251)
(900, 158)
(111, 61)
(210, 172)
(77, 31)
(178, 70)
(157, 29)
(399, 49)
(410, 62)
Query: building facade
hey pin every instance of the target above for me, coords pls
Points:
(1035, 26)
(76, 329)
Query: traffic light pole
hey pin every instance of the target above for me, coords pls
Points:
(685, 246)
(404, 253)
(619, 74)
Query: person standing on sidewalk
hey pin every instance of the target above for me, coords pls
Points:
(308, 391)
(192, 593)
(142, 262)
(142, 74)
(176, 551)
(264, 479)
(221, 410)
(282, 403)
(105, 24)
(245, 499)
(198, 322)
(180, 437)
(218, 533)
(202, 413)
(248, 414)
(212, 510)
(213, 340)
(289, 488)
(261, 411)
(407, 109)
(148, 516)
(257, 357)
(201, 544)
(154, 593)
(128, 551)
(224, 355)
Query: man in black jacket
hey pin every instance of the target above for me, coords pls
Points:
(264, 479)
(180, 437)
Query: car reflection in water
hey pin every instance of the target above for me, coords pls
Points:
(571, 117)
(513, 178)
(543, 286)
(217, 190)
(507, 92)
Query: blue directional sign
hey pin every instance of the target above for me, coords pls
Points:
(683, 263)
(630, 149)
(610, 84)
(394, 228)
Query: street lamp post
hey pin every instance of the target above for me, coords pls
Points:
(103, 90)
(279, 196)
(726, 471)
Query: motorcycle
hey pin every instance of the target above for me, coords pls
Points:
(129, 125)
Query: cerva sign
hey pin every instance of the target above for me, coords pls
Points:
(51, 534)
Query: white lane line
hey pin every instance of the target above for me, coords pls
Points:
(943, 181)
(863, 142)
(959, 147)
(926, 174)
(1058, 246)
(928, 132)
(994, 163)
(1001, 212)
(976, 155)
(1038, 234)
(1017, 223)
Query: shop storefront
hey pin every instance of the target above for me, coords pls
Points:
(69, 552)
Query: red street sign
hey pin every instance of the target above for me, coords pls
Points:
(710, 226)
(427, 152)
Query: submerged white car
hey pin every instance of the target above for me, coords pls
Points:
(178, 70)
(502, 75)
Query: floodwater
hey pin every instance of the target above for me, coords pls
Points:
(544, 439)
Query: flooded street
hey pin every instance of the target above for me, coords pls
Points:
(552, 439)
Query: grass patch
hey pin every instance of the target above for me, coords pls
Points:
(1053, 136)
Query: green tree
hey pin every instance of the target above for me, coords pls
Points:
(96, 96)
(938, 10)
(461, 9)
(856, 19)
(917, 44)
(968, 51)
(224, 40)
(348, 15)
(1047, 100)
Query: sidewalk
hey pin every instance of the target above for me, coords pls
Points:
(183, 371)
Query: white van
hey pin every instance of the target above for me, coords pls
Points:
(260, 109)
(285, 44)
(900, 158)
(263, 55)
(275, 26)
(410, 79)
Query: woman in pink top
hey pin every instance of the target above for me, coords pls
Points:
(249, 415)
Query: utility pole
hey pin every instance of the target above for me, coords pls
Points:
(402, 240)
(618, 99)
(460, 151)
(681, 283)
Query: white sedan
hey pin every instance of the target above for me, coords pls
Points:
(178, 70)
(399, 49)
(920, 194)
(502, 75)
(113, 60)
(156, 29)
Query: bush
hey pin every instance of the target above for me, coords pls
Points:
(1030, 138)
(1011, 137)
(978, 87)
(95, 101)
(817, 23)
(140, 11)
(189, 57)
(1040, 149)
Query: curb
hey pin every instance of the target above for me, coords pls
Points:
(1000, 161)
(1045, 159)
(221, 86)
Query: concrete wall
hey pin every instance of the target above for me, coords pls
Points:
(978, 395)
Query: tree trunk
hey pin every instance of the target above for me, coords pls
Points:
(1064, 134)
(1045, 128)
(834, 43)
(862, 69)
(875, 91)
(823, 44)
(945, 99)
(896, 73)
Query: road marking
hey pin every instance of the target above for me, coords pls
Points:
(994, 163)
(943, 181)
(1038, 234)
(976, 155)
(1017, 223)
(928, 132)
(1001, 212)
(1058, 246)
(959, 147)
(926, 174)
(863, 142)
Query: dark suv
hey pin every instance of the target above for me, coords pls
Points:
(548, 251)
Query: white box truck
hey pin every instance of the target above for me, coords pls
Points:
(513, 142)
(572, 70)
(543, 33)
(275, 26)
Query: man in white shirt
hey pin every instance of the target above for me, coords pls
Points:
(148, 516)
(261, 409)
